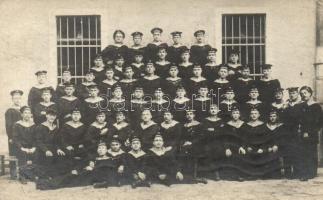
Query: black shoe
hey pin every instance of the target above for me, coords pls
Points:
(100, 185)
(200, 180)
(134, 185)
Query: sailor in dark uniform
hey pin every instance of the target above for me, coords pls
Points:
(200, 49)
(128, 83)
(202, 103)
(234, 64)
(267, 85)
(180, 104)
(196, 81)
(122, 129)
(159, 104)
(162, 65)
(67, 103)
(136, 164)
(174, 51)
(12, 115)
(227, 104)
(35, 92)
(152, 48)
(108, 83)
(185, 67)
(73, 136)
(137, 105)
(93, 104)
(310, 123)
(119, 63)
(219, 85)
(110, 52)
(23, 137)
(146, 129)
(292, 108)
(40, 108)
(82, 91)
(150, 82)
(163, 163)
(242, 85)
(116, 103)
(171, 131)
(97, 132)
(136, 47)
(253, 102)
(138, 65)
(51, 157)
(172, 82)
(98, 69)
(279, 103)
(66, 78)
(210, 69)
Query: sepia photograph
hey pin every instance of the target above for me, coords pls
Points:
(161, 99)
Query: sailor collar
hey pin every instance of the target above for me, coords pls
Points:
(202, 98)
(228, 102)
(274, 126)
(256, 123)
(237, 124)
(113, 100)
(173, 79)
(110, 82)
(88, 83)
(41, 86)
(193, 123)
(63, 84)
(210, 65)
(99, 126)
(137, 154)
(162, 63)
(159, 101)
(113, 153)
(73, 125)
(199, 79)
(186, 64)
(94, 100)
(71, 98)
(276, 105)
(154, 77)
(145, 126)
(180, 101)
(156, 43)
(244, 79)
(293, 103)
(105, 157)
(266, 80)
(136, 47)
(309, 103)
(120, 126)
(47, 104)
(213, 120)
(138, 65)
(15, 107)
(253, 102)
(200, 44)
(116, 67)
(161, 152)
(177, 45)
(25, 124)
(167, 126)
(235, 66)
(47, 125)
(221, 81)
(139, 101)
(98, 69)
(128, 80)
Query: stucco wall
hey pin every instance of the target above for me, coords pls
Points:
(28, 32)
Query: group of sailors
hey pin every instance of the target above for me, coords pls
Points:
(164, 114)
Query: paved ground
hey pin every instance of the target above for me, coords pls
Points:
(222, 190)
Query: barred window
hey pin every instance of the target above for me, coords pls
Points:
(78, 41)
(246, 33)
